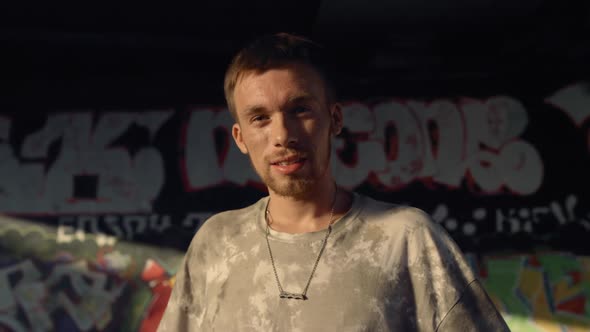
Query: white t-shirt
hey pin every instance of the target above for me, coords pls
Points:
(384, 268)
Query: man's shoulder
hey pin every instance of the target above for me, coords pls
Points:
(236, 217)
(232, 221)
(392, 215)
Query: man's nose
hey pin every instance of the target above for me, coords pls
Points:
(284, 131)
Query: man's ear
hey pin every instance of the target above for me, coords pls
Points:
(236, 133)
(336, 119)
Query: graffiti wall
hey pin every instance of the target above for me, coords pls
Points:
(546, 292)
(98, 205)
(82, 285)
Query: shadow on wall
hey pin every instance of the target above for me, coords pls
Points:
(89, 284)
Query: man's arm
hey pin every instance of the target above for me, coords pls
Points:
(178, 310)
(185, 310)
(448, 295)
(473, 312)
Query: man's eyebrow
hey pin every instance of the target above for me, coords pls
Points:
(255, 109)
(301, 98)
(293, 100)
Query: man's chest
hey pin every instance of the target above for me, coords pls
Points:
(345, 293)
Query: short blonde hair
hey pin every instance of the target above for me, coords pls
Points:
(271, 52)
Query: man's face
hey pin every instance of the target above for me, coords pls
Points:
(284, 125)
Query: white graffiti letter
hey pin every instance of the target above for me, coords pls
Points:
(406, 146)
(358, 120)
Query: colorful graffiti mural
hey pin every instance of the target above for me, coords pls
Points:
(80, 286)
(547, 292)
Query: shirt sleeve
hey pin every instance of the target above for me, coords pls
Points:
(185, 309)
(447, 294)
(473, 312)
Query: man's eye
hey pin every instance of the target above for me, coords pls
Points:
(258, 118)
(300, 110)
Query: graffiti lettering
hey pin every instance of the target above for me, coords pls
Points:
(88, 173)
(93, 291)
(509, 220)
(202, 165)
(27, 294)
(574, 101)
(515, 220)
(108, 229)
(398, 142)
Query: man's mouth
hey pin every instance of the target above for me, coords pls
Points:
(290, 162)
(288, 165)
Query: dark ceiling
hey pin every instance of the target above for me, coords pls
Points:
(100, 55)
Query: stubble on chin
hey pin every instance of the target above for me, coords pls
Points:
(297, 188)
(294, 186)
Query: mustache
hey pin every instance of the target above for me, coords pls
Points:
(290, 152)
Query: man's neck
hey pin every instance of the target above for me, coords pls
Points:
(310, 213)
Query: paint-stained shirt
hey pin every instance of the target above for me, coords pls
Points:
(384, 268)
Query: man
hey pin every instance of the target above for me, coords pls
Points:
(312, 256)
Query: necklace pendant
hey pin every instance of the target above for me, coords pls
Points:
(292, 296)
